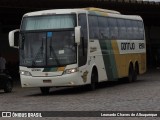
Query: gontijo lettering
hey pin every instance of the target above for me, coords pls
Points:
(127, 46)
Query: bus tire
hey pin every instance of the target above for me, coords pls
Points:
(130, 74)
(94, 79)
(44, 90)
(136, 72)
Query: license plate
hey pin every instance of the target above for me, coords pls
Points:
(47, 81)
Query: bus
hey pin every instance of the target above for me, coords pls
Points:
(74, 47)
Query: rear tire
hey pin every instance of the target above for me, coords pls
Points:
(130, 74)
(136, 72)
(135, 75)
(44, 90)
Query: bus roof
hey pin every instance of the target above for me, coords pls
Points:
(89, 10)
(65, 11)
(111, 13)
(55, 11)
(101, 10)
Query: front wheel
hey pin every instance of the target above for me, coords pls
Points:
(44, 90)
(94, 80)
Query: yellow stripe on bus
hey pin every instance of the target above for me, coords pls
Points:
(60, 68)
(123, 60)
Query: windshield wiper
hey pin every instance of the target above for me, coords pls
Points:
(53, 53)
(39, 54)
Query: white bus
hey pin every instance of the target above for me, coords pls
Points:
(73, 47)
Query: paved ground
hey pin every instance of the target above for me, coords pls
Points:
(142, 95)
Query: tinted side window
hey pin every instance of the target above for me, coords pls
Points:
(83, 23)
(82, 51)
(135, 30)
(113, 28)
(121, 29)
(93, 27)
(103, 28)
(141, 30)
(129, 29)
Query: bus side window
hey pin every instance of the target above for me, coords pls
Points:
(113, 28)
(121, 29)
(129, 29)
(93, 27)
(141, 30)
(82, 51)
(135, 30)
(103, 28)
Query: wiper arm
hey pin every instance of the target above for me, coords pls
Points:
(39, 53)
(53, 53)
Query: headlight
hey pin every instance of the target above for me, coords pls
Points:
(69, 71)
(22, 72)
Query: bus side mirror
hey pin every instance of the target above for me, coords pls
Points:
(77, 34)
(13, 38)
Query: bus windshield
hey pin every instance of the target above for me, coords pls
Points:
(47, 41)
(42, 49)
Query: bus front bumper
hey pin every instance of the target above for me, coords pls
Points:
(56, 81)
